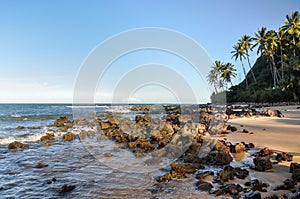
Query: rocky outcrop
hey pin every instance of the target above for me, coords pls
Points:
(17, 145)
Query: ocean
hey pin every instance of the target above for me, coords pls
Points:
(94, 167)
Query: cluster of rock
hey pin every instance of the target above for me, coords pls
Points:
(248, 111)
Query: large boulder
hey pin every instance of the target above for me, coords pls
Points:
(17, 145)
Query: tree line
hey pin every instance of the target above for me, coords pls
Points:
(280, 50)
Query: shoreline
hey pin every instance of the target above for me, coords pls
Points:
(279, 134)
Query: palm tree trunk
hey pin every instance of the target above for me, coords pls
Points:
(274, 71)
(244, 73)
(251, 69)
(281, 61)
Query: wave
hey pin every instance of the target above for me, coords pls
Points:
(15, 115)
(37, 136)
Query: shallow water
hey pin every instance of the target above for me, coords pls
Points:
(97, 168)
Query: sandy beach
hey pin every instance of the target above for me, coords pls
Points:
(279, 134)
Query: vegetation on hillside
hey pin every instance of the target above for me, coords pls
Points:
(274, 77)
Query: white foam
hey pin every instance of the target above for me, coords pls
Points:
(15, 115)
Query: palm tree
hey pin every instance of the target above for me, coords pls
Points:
(271, 46)
(245, 41)
(260, 40)
(238, 52)
(292, 28)
(214, 75)
(266, 46)
(281, 38)
(228, 72)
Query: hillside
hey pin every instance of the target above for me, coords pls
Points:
(262, 90)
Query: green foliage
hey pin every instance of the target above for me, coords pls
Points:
(275, 76)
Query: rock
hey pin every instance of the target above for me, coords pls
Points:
(233, 189)
(82, 135)
(61, 121)
(257, 185)
(201, 176)
(262, 163)
(294, 166)
(203, 186)
(17, 145)
(104, 125)
(185, 167)
(64, 128)
(249, 146)
(68, 136)
(241, 173)
(219, 156)
(238, 148)
(265, 152)
(253, 195)
(40, 165)
(163, 178)
(67, 188)
(147, 118)
(49, 137)
(224, 176)
(20, 127)
(139, 118)
(273, 113)
(287, 184)
(296, 175)
(284, 157)
(34, 127)
(245, 131)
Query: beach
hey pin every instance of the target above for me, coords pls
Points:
(279, 134)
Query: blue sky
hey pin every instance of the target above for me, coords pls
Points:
(44, 43)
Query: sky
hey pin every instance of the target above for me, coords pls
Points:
(44, 44)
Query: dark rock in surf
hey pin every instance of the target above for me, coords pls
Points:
(49, 137)
(61, 121)
(68, 136)
(20, 127)
(67, 188)
(40, 165)
(17, 145)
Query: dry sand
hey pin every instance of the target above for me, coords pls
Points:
(279, 134)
